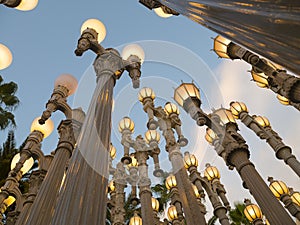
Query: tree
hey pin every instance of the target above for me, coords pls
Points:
(7, 152)
(8, 103)
(237, 215)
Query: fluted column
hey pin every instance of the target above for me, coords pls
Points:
(35, 182)
(283, 152)
(192, 211)
(118, 210)
(43, 206)
(144, 182)
(260, 191)
(83, 196)
(219, 210)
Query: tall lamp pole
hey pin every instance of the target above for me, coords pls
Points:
(233, 149)
(210, 182)
(168, 121)
(276, 79)
(65, 85)
(83, 197)
(260, 125)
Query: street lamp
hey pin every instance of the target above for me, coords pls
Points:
(64, 86)
(93, 160)
(22, 163)
(23, 5)
(233, 149)
(5, 57)
(168, 120)
(260, 125)
(264, 73)
(253, 213)
(281, 191)
(211, 184)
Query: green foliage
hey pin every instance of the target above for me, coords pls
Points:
(160, 190)
(8, 103)
(237, 215)
(163, 195)
(7, 152)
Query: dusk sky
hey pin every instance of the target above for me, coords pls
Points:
(43, 41)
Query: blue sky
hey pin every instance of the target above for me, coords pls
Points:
(43, 42)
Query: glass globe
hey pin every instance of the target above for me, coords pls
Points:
(146, 93)
(185, 91)
(27, 5)
(111, 186)
(68, 81)
(225, 116)
(112, 151)
(155, 204)
(170, 182)
(211, 172)
(159, 11)
(220, 46)
(5, 57)
(190, 160)
(126, 124)
(134, 162)
(133, 50)
(283, 100)
(237, 107)
(172, 213)
(260, 78)
(296, 197)
(135, 220)
(46, 129)
(97, 25)
(9, 201)
(252, 212)
(171, 108)
(26, 166)
(210, 135)
(278, 188)
(262, 121)
(196, 191)
(152, 135)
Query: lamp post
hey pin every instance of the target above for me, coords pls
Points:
(168, 121)
(89, 163)
(31, 149)
(65, 85)
(22, 163)
(253, 213)
(276, 79)
(171, 185)
(260, 125)
(210, 182)
(233, 149)
(281, 191)
(142, 153)
(23, 5)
